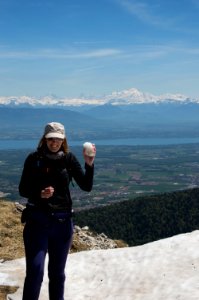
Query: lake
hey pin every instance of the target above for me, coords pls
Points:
(32, 144)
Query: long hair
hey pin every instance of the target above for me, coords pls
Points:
(42, 145)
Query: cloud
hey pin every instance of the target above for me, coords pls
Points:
(141, 10)
(133, 54)
(149, 13)
(97, 53)
(56, 54)
(158, 53)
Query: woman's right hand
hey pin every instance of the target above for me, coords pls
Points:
(47, 192)
(89, 153)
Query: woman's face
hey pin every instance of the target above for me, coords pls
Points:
(54, 144)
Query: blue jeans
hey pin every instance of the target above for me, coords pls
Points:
(44, 233)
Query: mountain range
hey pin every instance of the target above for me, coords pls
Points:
(126, 114)
(125, 97)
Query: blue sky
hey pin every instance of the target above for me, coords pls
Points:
(93, 47)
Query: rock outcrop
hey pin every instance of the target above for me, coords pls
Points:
(84, 239)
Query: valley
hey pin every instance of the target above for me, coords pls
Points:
(121, 172)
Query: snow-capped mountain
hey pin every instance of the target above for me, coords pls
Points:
(125, 97)
(134, 96)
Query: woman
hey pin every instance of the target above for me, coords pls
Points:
(48, 226)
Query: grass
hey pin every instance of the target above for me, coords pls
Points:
(11, 241)
(5, 289)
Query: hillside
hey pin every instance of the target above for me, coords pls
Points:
(11, 243)
(145, 219)
(135, 221)
(28, 123)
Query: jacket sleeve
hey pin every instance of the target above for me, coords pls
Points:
(27, 185)
(84, 178)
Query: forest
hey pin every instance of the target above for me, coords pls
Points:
(145, 219)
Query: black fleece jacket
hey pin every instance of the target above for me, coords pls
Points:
(41, 171)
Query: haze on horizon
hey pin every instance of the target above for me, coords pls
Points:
(92, 48)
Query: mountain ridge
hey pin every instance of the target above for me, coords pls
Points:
(125, 97)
